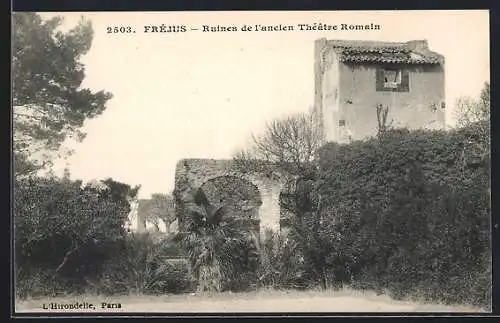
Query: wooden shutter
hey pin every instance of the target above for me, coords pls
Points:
(405, 81)
(379, 77)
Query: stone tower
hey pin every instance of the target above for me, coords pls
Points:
(352, 78)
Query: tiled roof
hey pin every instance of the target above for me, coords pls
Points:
(412, 52)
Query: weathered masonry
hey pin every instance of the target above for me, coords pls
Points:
(251, 195)
(352, 78)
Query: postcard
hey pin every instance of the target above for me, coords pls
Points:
(251, 162)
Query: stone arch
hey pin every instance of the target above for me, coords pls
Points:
(191, 174)
(241, 197)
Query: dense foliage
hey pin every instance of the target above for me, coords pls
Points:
(281, 265)
(65, 230)
(406, 213)
(47, 73)
(145, 264)
(409, 212)
(218, 249)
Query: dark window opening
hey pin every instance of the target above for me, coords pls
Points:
(342, 123)
(392, 80)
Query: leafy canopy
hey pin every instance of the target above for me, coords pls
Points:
(49, 103)
(57, 219)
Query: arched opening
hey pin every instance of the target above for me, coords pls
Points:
(240, 197)
(241, 200)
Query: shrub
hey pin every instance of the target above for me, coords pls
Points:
(143, 265)
(64, 229)
(281, 263)
(409, 212)
(40, 282)
(242, 274)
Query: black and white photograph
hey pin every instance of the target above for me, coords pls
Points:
(251, 162)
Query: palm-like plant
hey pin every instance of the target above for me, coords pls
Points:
(211, 240)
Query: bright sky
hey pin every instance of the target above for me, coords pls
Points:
(196, 94)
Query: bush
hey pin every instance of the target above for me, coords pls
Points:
(64, 229)
(242, 274)
(144, 265)
(409, 213)
(281, 263)
(39, 283)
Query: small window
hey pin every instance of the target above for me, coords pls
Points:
(342, 123)
(392, 79)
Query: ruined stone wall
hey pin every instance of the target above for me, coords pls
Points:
(345, 93)
(420, 107)
(349, 94)
(191, 174)
(330, 82)
(319, 49)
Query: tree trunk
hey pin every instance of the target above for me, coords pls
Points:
(66, 258)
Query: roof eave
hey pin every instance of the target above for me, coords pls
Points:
(352, 61)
